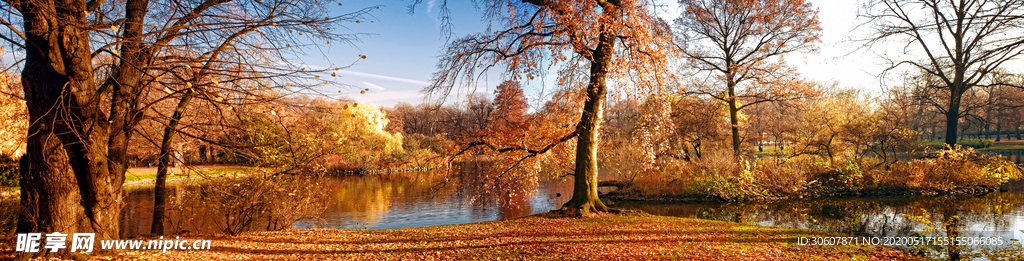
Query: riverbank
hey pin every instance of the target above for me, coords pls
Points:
(145, 177)
(625, 193)
(606, 237)
(955, 171)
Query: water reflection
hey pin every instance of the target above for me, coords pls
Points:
(417, 200)
(377, 202)
(1016, 156)
(471, 196)
(995, 214)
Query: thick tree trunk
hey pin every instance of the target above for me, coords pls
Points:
(166, 158)
(584, 193)
(70, 184)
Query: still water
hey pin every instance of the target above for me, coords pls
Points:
(417, 200)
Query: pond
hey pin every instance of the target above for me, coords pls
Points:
(417, 200)
(376, 202)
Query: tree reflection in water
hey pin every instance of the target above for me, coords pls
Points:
(411, 199)
(473, 195)
(993, 214)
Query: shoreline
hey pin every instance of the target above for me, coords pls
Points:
(15, 194)
(625, 196)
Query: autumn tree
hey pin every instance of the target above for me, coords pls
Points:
(87, 65)
(13, 118)
(741, 43)
(774, 123)
(510, 103)
(477, 113)
(298, 134)
(237, 64)
(677, 126)
(957, 42)
(699, 122)
(593, 41)
(825, 126)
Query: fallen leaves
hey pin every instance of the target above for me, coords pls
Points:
(606, 237)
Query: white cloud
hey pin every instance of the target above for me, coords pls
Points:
(383, 77)
(373, 86)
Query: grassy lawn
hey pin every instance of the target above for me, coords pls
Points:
(981, 145)
(1007, 145)
(130, 177)
(1004, 147)
(150, 173)
(608, 237)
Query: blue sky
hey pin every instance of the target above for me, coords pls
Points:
(402, 51)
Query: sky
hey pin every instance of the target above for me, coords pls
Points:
(402, 50)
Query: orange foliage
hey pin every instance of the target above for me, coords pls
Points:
(607, 237)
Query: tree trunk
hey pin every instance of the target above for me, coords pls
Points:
(584, 193)
(70, 180)
(952, 117)
(1018, 130)
(734, 121)
(999, 131)
(733, 112)
(166, 158)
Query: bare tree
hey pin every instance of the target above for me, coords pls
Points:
(742, 43)
(957, 42)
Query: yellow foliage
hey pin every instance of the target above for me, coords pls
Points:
(362, 126)
(13, 118)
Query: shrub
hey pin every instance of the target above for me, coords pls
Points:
(954, 167)
(9, 175)
(829, 178)
(741, 187)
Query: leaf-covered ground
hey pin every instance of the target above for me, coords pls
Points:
(608, 237)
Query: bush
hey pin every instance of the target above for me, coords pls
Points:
(721, 177)
(9, 172)
(955, 167)
(830, 178)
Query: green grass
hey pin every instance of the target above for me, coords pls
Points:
(214, 171)
(131, 177)
(973, 143)
(1004, 147)
(982, 145)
